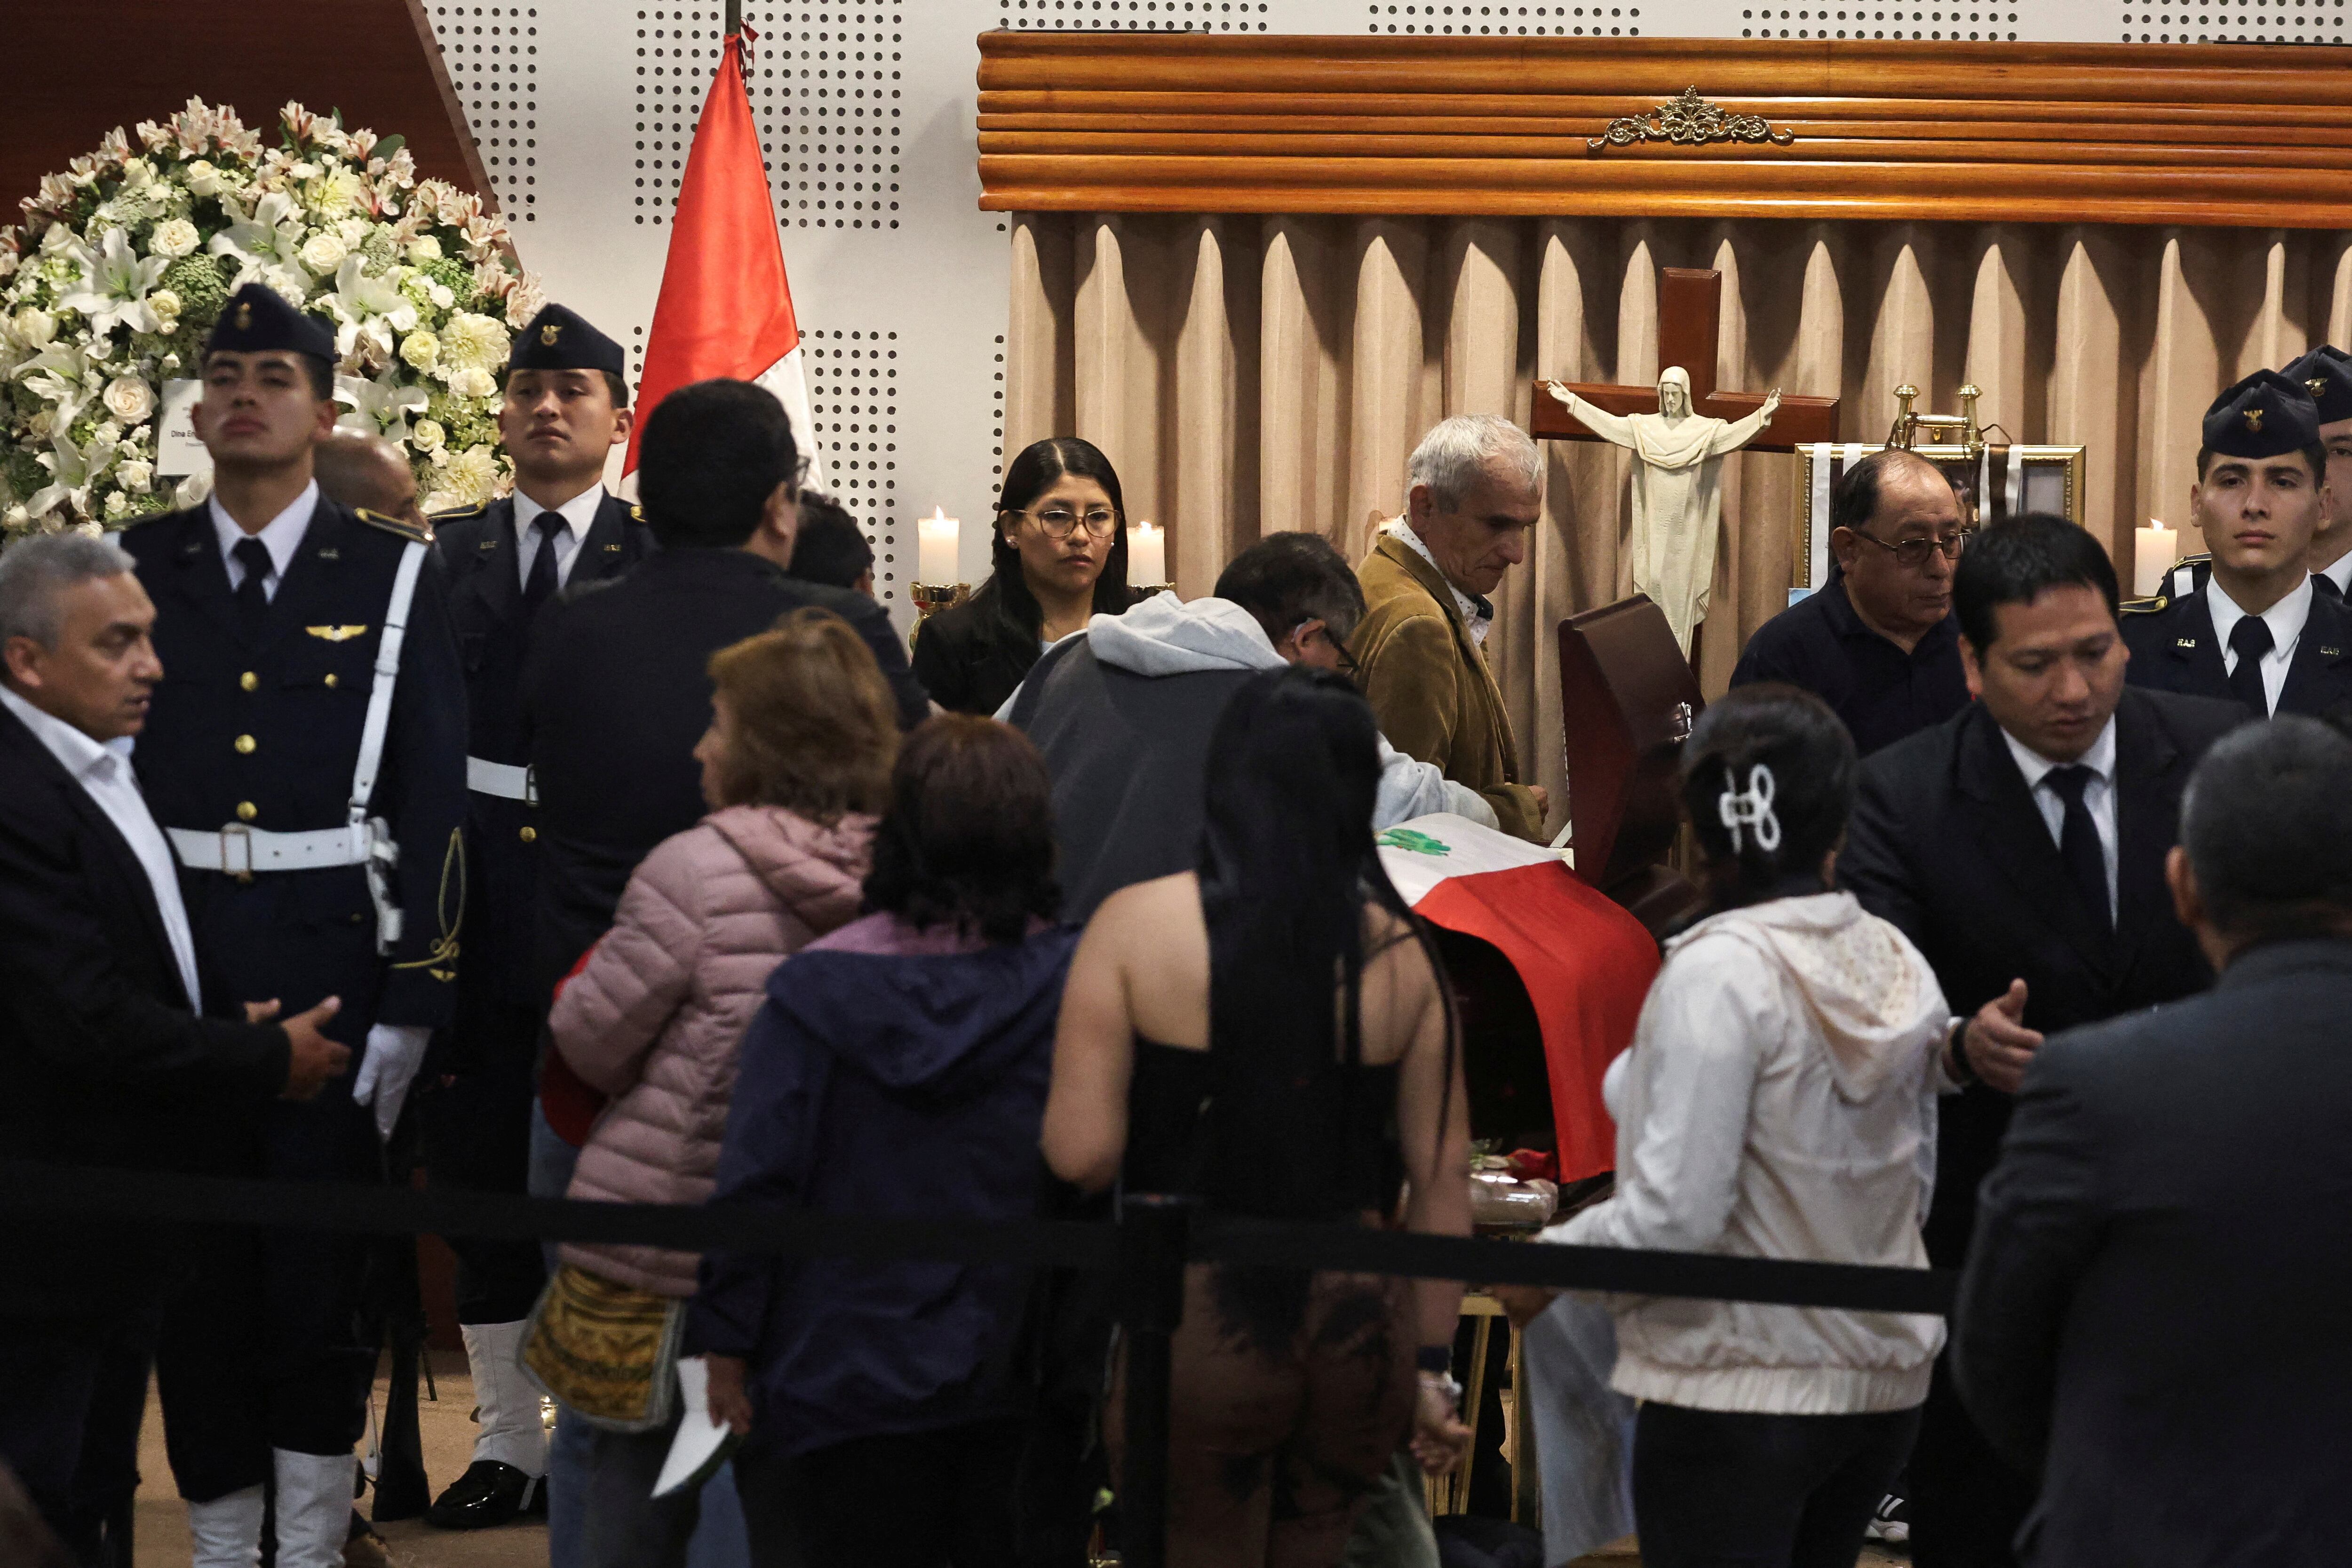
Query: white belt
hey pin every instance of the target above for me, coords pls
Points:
(501, 779)
(240, 850)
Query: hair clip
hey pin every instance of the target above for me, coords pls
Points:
(1751, 808)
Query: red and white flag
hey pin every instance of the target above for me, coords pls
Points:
(726, 309)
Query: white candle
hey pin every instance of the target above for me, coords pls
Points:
(936, 538)
(2156, 550)
(1147, 556)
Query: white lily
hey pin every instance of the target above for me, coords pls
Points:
(268, 240)
(378, 408)
(61, 374)
(73, 470)
(374, 306)
(115, 282)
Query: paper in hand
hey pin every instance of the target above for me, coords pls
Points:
(702, 1445)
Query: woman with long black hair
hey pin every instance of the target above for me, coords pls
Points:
(1058, 558)
(1270, 1033)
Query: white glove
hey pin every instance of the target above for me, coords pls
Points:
(394, 1052)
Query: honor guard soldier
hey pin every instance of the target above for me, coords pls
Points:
(566, 407)
(2327, 374)
(2257, 631)
(305, 755)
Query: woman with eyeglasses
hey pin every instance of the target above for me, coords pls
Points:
(1059, 558)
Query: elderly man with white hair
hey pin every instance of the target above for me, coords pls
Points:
(1474, 488)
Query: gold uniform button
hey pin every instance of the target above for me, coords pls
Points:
(246, 811)
(530, 835)
(248, 681)
(245, 744)
(330, 680)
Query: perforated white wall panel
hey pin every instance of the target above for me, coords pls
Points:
(584, 111)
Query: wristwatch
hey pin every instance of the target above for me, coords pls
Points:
(1964, 1072)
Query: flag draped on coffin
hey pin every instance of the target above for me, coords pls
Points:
(725, 307)
(1587, 963)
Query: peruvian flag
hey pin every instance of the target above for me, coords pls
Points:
(725, 307)
(1586, 963)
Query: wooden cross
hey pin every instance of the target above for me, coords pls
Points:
(1690, 305)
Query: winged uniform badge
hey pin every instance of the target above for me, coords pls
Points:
(335, 634)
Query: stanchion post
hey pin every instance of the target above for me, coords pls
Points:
(1154, 1230)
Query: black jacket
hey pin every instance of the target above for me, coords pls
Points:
(102, 1061)
(968, 661)
(2153, 1315)
(616, 696)
(1947, 843)
(478, 549)
(2173, 649)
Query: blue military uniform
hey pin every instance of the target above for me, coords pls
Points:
(250, 758)
(482, 1078)
(2174, 643)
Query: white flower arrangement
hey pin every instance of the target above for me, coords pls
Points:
(111, 283)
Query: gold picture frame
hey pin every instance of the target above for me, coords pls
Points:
(2047, 478)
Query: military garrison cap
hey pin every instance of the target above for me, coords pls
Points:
(561, 339)
(258, 319)
(2327, 374)
(2263, 416)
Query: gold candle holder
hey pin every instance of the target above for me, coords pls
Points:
(930, 598)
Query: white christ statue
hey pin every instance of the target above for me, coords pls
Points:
(1677, 491)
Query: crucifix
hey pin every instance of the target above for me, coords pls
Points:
(1680, 431)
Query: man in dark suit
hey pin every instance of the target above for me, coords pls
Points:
(616, 694)
(564, 410)
(306, 758)
(106, 1055)
(2020, 844)
(2152, 1318)
(2259, 630)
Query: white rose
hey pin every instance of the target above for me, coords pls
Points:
(175, 237)
(473, 381)
(204, 180)
(421, 350)
(354, 230)
(110, 433)
(191, 491)
(130, 399)
(424, 248)
(323, 252)
(135, 475)
(166, 306)
(442, 296)
(36, 327)
(426, 436)
(117, 504)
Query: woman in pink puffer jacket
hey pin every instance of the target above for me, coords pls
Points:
(798, 757)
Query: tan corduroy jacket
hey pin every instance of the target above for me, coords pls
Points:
(1430, 685)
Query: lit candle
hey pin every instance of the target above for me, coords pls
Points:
(1147, 556)
(936, 538)
(2156, 550)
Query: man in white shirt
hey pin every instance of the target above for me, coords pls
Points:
(2260, 630)
(106, 1057)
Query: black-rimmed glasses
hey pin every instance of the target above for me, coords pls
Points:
(1912, 554)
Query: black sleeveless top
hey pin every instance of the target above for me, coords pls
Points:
(1169, 1142)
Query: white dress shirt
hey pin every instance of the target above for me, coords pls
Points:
(281, 538)
(579, 515)
(2286, 618)
(2098, 795)
(1480, 622)
(104, 774)
(2340, 571)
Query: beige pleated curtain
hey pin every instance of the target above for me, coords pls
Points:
(1250, 374)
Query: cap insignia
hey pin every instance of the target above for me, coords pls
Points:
(2319, 385)
(548, 333)
(244, 318)
(2254, 419)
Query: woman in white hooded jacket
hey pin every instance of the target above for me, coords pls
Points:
(1779, 1101)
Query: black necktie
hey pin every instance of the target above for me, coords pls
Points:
(2249, 639)
(539, 583)
(2324, 586)
(2078, 843)
(253, 594)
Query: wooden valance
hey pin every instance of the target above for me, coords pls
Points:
(2224, 135)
